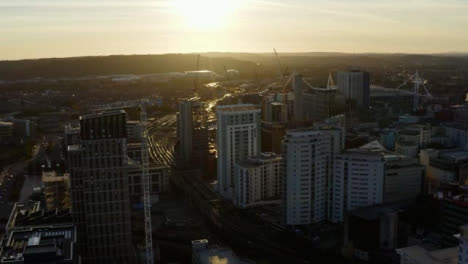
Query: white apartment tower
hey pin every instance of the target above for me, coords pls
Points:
(237, 137)
(307, 165)
(357, 182)
(257, 180)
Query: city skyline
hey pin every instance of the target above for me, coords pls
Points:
(51, 28)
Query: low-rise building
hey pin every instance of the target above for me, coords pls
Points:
(49, 244)
(444, 167)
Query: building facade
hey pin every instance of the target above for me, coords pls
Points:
(238, 137)
(307, 165)
(355, 85)
(257, 180)
(99, 188)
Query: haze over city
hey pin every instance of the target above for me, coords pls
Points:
(234, 132)
(53, 28)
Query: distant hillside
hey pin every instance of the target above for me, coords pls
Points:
(116, 64)
(249, 64)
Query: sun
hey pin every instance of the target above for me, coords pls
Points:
(205, 14)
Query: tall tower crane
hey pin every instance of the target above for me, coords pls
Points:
(142, 103)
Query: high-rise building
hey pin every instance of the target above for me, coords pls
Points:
(257, 180)
(298, 90)
(99, 188)
(192, 134)
(322, 103)
(238, 137)
(278, 107)
(307, 165)
(357, 182)
(355, 84)
(272, 136)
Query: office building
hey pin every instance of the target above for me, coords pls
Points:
(372, 175)
(257, 180)
(443, 167)
(99, 188)
(355, 85)
(192, 134)
(306, 174)
(56, 190)
(237, 137)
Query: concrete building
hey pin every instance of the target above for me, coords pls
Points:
(238, 137)
(257, 180)
(372, 175)
(355, 85)
(306, 174)
(99, 188)
(203, 253)
(56, 190)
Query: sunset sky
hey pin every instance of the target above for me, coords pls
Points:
(63, 28)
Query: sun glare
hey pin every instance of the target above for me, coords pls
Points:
(205, 14)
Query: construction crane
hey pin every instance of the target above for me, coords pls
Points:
(284, 73)
(142, 103)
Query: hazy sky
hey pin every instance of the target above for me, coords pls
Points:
(60, 28)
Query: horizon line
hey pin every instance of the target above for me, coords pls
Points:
(455, 53)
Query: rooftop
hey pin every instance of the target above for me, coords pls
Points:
(44, 244)
(421, 255)
(237, 108)
(103, 113)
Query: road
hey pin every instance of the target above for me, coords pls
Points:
(11, 172)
